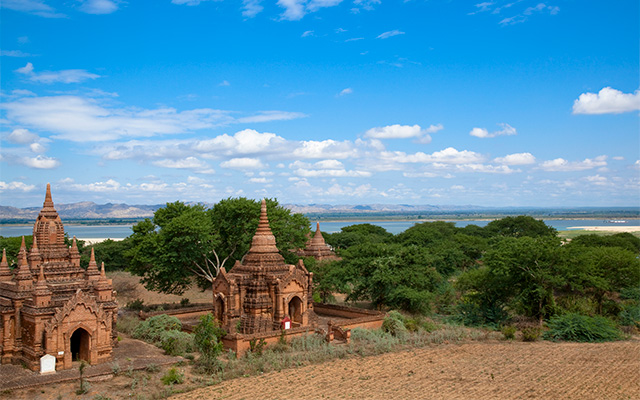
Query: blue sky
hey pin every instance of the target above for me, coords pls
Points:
(495, 103)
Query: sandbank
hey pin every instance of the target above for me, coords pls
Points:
(617, 229)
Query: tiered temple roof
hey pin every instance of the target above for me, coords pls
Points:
(317, 248)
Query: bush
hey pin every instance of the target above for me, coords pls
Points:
(173, 376)
(509, 332)
(630, 315)
(394, 324)
(151, 330)
(135, 305)
(581, 328)
(127, 324)
(531, 333)
(176, 343)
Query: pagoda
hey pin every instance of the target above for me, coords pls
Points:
(260, 292)
(317, 248)
(50, 305)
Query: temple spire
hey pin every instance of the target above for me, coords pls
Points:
(23, 274)
(48, 200)
(92, 269)
(5, 271)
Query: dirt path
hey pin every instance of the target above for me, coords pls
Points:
(489, 370)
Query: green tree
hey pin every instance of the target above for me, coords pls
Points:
(357, 234)
(520, 226)
(183, 241)
(11, 245)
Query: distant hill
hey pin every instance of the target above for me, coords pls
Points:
(91, 211)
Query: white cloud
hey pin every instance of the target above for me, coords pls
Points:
(307, 34)
(562, 165)
(243, 163)
(294, 9)
(324, 149)
(40, 162)
(251, 8)
(403, 132)
(99, 6)
(332, 173)
(64, 76)
(607, 101)
(260, 180)
(185, 163)
(35, 7)
(21, 186)
(37, 148)
(14, 53)
(386, 35)
(346, 91)
(483, 133)
(516, 159)
(446, 156)
(189, 2)
(268, 116)
(83, 119)
(485, 168)
(22, 136)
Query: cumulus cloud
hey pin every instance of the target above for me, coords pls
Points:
(403, 132)
(22, 136)
(562, 165)
(607, 101)
(388, 34)
(294, 9)
(447, 156)
(185, 163)
(324, 149)
(64, 76)
(516, 159)
(17, 186)
(345, 91)
(40, 162)
(243, 163)
(483, 133)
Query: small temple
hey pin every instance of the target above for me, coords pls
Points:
(317, 248)
(49, 305)
(262, 291)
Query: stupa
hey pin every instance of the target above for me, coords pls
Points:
(50, 305)
(317, 248)
(260, 292)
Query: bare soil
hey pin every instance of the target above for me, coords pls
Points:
(129, 288)
(486, 370)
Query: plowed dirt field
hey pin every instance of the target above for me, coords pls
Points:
(486, 370)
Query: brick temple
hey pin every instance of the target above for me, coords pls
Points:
(258, 293)
(317, 248)
(50, 305)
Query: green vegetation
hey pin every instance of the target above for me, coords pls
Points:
(184, 242)
(581, 328)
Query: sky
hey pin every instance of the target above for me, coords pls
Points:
(441, 102)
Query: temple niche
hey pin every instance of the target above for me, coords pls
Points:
(317, 248)
(50, 305)
(258, 294)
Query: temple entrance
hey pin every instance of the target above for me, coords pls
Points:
(80, 344)
(219, 309)
(295, 310)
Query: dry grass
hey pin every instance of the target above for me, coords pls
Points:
(128, 288)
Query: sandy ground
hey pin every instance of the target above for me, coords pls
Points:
(128, 288)
(488, 370)
(616, 229)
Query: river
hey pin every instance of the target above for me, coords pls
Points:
(121, 231)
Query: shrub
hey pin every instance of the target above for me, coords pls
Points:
(184, 302)
(176, 343)
(581, 328)
(135, 305)
(257, 346)
(394, 324)
(207, 335)
(531, 333)
(151, 330)
(127, 324)
(173, 376)
(509, 332)
(630, 315)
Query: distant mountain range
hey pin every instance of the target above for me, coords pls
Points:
(88, 210)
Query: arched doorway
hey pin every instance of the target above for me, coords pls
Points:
(295, 309)
(80, 345)
(219, 308)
